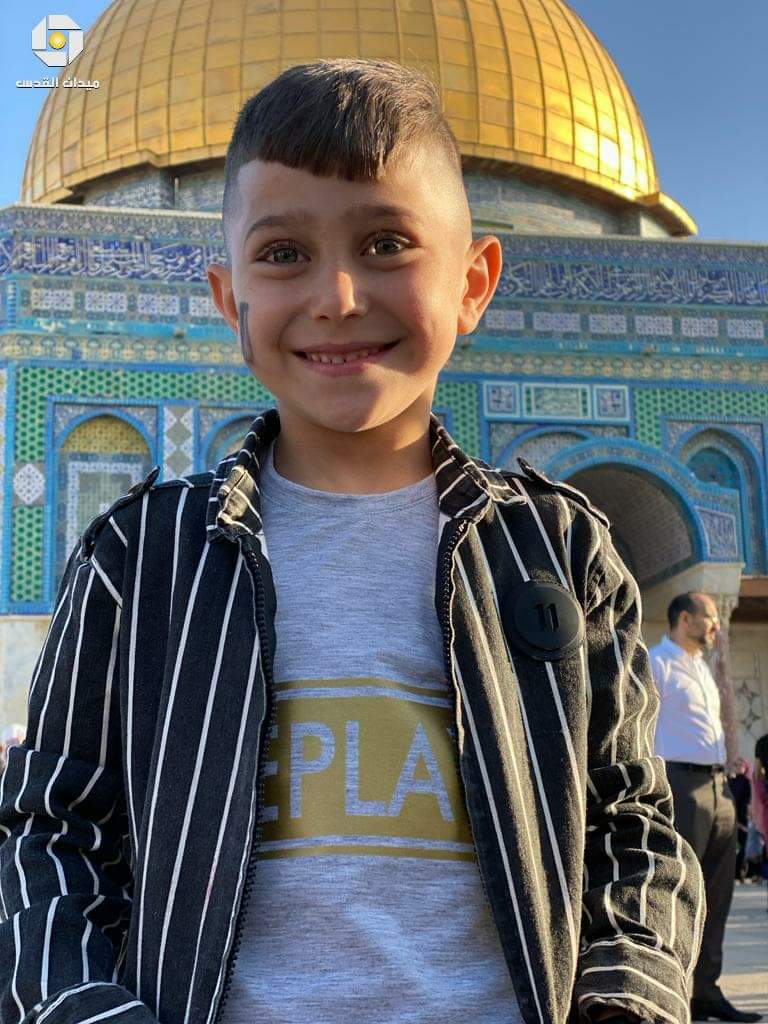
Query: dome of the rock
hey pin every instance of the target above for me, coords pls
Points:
(527, 87)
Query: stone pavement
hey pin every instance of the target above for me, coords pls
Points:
(745, 975)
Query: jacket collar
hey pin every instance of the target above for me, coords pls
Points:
(464, 485)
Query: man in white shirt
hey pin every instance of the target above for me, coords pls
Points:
(690, 738)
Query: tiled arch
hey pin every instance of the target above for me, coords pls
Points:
(662, 518)
(739, 450)
(539, 445)
(649, 523)
(101, 455)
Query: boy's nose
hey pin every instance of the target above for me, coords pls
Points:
(337, 295)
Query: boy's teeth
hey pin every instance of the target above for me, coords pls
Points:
(323, 357)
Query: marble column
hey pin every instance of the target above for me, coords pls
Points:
(720, 665)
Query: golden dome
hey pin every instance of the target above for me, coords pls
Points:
(523, 82)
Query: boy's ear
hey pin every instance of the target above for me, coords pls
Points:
(484, 261)
(220, 283)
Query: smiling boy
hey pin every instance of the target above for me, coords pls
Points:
(355, 728)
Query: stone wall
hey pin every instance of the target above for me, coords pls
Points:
(749, 671)
(496, 202)
(21, 639)
(150, 189)
(534, 208)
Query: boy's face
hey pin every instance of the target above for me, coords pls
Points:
(322, 264)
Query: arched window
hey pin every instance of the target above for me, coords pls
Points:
(100, 460)
(228, 440)
(651, 529)
(712, 466)
(717, 457)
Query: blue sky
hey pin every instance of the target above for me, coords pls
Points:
(696, 68)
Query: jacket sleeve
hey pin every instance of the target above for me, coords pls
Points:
(65, 883)
(643, 902)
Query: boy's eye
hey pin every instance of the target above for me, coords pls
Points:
(387, 245)
(282, 252)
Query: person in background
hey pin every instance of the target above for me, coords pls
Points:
(11, 736)
(760, 794)
(741, 788)
(691, 739)
(761, 757)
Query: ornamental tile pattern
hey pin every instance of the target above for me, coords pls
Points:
(540, 449)
(501, 399)
(611, 403)
(557, 401)
(228, 438)
(106, 302)
(670, 285)
(505, 319)
(29, 484)
(502, 434)
(67, 413)
(749, 702)
(707, 436)
(202, 306)
(722, 535)
(607, 323)
(159, 305)
(669, 480)
(88, 484)
(751, 432)
(742, 329)
(562, 323)
(60, 299)
(656, 325)
(699, 326)
(178, 440)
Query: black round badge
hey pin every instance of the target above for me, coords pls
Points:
(544, 620)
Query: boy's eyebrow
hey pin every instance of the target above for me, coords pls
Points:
(303, 217)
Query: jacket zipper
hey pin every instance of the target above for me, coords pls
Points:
(445, 607)
(270, 714)
(445, 620)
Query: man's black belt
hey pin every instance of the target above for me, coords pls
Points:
(708, 769)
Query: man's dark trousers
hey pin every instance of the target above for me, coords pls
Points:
(705, 815)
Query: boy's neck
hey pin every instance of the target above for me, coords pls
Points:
(372, 461)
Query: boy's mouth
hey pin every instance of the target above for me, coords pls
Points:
(338, 358)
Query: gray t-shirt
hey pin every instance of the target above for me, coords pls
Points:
(367, 903)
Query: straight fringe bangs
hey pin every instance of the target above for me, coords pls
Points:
(338, 117)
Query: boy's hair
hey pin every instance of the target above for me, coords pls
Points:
(337, 117)
(682, 603)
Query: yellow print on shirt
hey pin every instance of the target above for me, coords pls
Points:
(365, 766)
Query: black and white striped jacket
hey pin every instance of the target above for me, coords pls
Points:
(128, 819)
